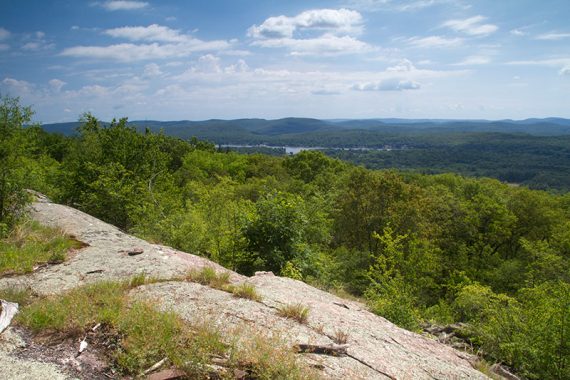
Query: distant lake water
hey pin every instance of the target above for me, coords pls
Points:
(297, 149)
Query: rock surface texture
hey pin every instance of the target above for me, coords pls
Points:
(377, 349)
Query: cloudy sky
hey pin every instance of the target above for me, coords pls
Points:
(173, 60)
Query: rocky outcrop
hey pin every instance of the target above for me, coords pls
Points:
(375, 348)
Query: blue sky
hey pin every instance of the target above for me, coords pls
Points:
(173, 60)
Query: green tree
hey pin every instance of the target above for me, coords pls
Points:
(13, 117)
(277, 232)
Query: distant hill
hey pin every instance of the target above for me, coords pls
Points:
(268, 131)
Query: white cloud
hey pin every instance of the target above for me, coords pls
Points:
(562, 63)
(208, 64)
(554, 62)
(166, 43)
(404, 65)
(317, 31)
(4, 34)
(392, 84)
(324, 91)
(93, 91)
(152, 70)
(518, 32)
(472, 26)
(552, 36)
(336, 21)
(127, 52)
(434, 42)
(123, 5)
(239, 67)
(56, 84)
(36, 42)
(474, 60)
(18, 87)
(151, 33)
(31, 46)
(327, 44)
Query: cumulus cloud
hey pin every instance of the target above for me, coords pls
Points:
(472, 26)
(405, 65)
(166, 43)
(239, 67)
(392, 84)
(123, 5)
(317, 31)
(552, 36)
(434, 42)
(337, 21)
(18, 87)
(565, 71)
(56, 84)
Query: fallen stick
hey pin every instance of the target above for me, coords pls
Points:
(9, 309)
(155, 366)
(323, 349)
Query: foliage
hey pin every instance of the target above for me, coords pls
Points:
(13, 148)
(441, 247)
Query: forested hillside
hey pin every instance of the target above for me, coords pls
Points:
(533, 152)
(441, 248)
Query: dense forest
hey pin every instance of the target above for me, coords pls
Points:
(534, 152)
(417, 248)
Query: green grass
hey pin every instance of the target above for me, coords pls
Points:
(298, 312)
(146, 335)
(208, 276)
(247, 291)
(30, 244)
(21, 296)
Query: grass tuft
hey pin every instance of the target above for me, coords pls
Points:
(145, 335)
(21, 296)
(72, 312)
(340, 337)
(270, 357)
(208, 276)
(298, 312)
(30, 244)
(247, 291)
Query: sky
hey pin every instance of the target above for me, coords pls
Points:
(228, 59)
